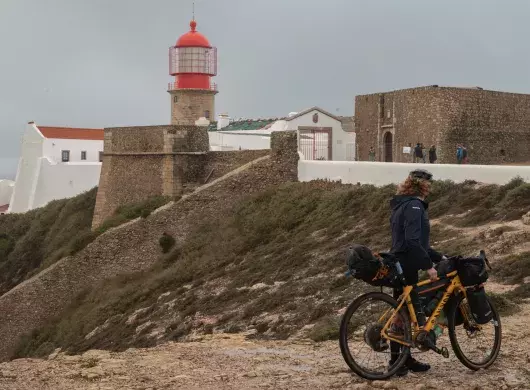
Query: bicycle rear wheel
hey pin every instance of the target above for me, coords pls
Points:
(360, 330)
(463, 337)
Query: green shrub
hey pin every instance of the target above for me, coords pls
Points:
(326, 329)
(166, 242)
(504, 304)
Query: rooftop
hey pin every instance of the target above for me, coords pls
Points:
(71, 133)
(246, 124)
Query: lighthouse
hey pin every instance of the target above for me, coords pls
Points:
(193, 62)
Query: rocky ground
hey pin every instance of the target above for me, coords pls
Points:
(238, 362)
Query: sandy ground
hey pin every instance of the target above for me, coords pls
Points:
(234, 362)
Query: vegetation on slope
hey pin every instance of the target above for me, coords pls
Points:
(32, 241)
(275, 263)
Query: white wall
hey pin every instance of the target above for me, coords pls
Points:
(393, 173)
(64, 180)
(53, 148)
(343, 148)
(6, 190)
(41, 179)
(28, 170)
(343, 142)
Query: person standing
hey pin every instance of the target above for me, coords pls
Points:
(423, 153)
(410, 226)
(459, 154)
(418, 155)
(432, 154)
(464, 155)
(371, 154)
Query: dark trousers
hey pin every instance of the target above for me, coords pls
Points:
(411, 277)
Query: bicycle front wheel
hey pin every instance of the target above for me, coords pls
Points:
(476, 346)
(367, 353)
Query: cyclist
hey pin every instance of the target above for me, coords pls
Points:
(410, 244)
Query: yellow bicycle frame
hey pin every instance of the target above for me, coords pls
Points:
(405, 298)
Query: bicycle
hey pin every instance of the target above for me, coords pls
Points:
(402, 327)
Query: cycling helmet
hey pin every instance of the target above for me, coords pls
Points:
(421, 174)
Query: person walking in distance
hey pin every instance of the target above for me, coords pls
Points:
(459, 154)
(432, 154)
(464, 155)
(418, 154)
(371, 154)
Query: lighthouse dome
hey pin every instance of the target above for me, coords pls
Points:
(193, 38)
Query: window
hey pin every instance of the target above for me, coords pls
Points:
(175, 99)
(207, 114)
(100, 156)
(388, 114)
(65, 154)
(83, 155)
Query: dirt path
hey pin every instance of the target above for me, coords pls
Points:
(234, 362)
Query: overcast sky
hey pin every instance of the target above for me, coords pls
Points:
(103, 63)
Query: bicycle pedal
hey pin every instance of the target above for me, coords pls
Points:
(444, 352)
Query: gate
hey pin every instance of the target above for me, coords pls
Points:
(315, 142)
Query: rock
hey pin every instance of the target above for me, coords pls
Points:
(390, 386)
(223, 378)
(526, 218)
(251, 374)
(420, 386)
(179, 378)
(361, 386)
(7, 374)
(526, 280)
(512, 381)
(54, 354)
(379, 384)
(93, 373)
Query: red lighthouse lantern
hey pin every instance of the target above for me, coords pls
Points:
(193, 61)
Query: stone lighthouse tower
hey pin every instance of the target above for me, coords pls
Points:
(193, 61)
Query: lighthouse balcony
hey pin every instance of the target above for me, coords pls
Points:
(176, 86)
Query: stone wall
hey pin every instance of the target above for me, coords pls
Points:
(188, 105)
(284, 153)
(140, 162)
(220, 163)
(494, 126)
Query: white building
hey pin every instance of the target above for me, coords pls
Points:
(320, 135)
(6, 190)
(55, 163)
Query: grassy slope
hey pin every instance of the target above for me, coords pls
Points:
(275, 263)
(34, 240)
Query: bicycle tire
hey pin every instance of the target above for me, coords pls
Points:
(343, 336)
(454, 342)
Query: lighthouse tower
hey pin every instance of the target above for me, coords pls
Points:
(193, 61)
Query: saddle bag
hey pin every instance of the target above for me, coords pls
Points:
(371, 268)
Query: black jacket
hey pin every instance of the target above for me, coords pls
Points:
(410, 232)
(432, 155)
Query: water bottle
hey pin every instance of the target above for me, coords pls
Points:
(399, 269)
(438, 331)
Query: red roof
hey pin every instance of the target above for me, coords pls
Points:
(71, 133)
(193, 38)
(4, 208)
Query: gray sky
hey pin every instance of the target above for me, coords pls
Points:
(103, 63)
